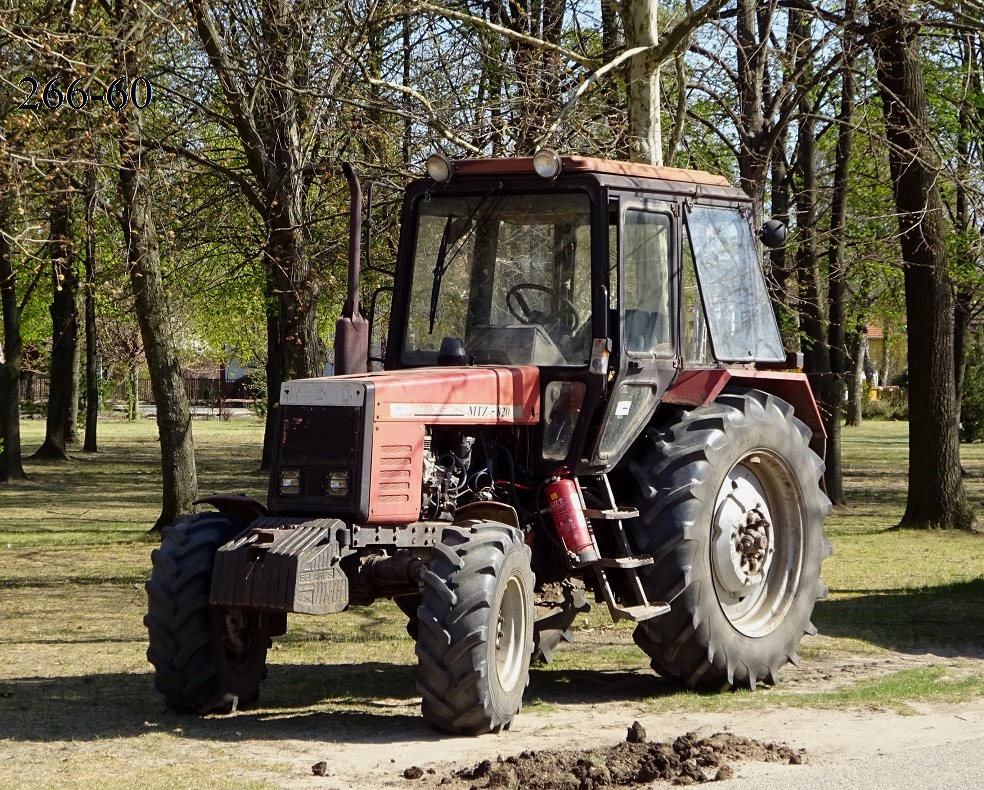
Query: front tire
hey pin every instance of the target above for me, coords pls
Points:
(733, 513)
(476, 628)
(206, 659)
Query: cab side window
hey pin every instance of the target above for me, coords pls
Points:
(696, 338)
(646, 250)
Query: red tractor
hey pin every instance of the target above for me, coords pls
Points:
(583, 392)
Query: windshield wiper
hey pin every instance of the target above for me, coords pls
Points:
(464, 232)
(439, 270)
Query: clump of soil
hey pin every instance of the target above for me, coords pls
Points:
(685, 761)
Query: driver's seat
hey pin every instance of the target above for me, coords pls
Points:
(640, 330)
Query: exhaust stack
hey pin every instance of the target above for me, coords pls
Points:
(352, 329)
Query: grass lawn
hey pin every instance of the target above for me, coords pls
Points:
(75, 551)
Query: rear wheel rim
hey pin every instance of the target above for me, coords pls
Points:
(757, 537)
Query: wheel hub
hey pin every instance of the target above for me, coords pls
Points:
(743, 542)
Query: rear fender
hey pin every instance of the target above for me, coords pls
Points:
(701, 387)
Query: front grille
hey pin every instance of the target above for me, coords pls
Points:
(317, 440)
(320, 435)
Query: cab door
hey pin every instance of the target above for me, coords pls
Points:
(645, 303)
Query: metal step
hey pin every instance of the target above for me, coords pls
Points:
(644, 611)
(625, 562)
(616, 514)
(639, 613)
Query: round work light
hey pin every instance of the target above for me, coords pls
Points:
(547, 163)
(439, 167)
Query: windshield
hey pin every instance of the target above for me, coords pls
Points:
(736, 301)
(509, 275)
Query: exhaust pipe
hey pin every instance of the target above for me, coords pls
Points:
(352, 329)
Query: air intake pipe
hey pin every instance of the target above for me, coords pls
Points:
(352, 329)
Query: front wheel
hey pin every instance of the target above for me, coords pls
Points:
(475, 628)
(207, 659)
(732, 510)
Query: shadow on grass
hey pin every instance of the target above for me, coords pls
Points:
(946, 620)
(365, 703)
(37, 584)
(377, 702)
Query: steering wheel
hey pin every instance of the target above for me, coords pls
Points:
(521, 310)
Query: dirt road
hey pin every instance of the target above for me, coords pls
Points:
(110, 730)
(865, 744)
(837, 744)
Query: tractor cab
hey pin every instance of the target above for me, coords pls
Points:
(609, 277)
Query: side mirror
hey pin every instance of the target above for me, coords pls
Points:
(773, 234)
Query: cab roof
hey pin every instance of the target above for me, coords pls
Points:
(586, 164)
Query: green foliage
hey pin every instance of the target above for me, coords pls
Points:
(33, 409)
(883, 410)
(972, 406)
(888, 404)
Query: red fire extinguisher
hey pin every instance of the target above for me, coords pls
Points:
(565, 507)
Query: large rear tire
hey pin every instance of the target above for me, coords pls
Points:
(476, 628)
(733, 513)
(207, 660)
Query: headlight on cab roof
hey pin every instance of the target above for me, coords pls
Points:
(547, 163)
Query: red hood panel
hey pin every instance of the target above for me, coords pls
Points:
(465, 395)
(473, 395)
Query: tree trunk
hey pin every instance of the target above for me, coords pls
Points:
(405, 151)
(11, 465)
(778, 259)
(274, 376)
(133, 391)
(814, 316)
(178, 475)
(675, 142)
(755, 149)
(551, 71)
(642, 84)
(962, 318)
(272, 131)
(965, 263)
(614, 88)
(91, 344)
(857, 349)
(936, 497)
(294, 348)
(837, 268)
(64, 329)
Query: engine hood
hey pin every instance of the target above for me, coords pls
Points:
(472, 395)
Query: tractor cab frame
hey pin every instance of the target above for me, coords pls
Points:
(611, 278)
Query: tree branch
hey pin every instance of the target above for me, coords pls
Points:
(235, 97)
(506, 32)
